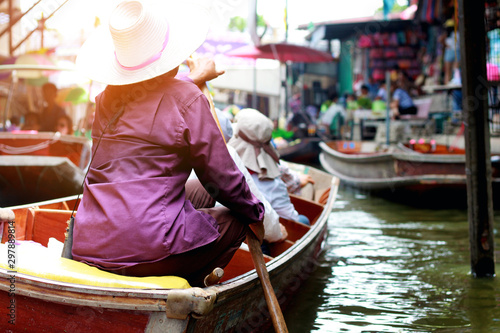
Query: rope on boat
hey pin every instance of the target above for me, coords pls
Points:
(29, 149)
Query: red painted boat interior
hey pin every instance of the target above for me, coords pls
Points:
(39, 223)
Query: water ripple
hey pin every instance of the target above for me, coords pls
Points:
(391, 268)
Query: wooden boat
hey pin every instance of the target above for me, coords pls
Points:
(423, 175)
(43, 302)
(304, 151)
(40, 166)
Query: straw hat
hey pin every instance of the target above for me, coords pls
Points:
(449, 23)
(144, 40)
(255, 127)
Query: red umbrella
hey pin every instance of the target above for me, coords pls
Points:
(283, 52)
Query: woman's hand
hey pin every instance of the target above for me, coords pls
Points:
(202, 70)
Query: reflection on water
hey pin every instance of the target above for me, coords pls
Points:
(393, 268)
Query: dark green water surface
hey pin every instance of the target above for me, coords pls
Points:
(393, 268)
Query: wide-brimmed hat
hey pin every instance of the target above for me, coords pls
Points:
(252, 140)
(144, 39)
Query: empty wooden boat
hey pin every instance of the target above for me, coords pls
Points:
(40, 166)
(420, 174)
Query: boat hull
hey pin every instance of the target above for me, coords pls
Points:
(244, 309)
(306, 151)
(407, 177)
(238, 304)
(239, 307)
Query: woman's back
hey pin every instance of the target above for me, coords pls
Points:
(134, 194)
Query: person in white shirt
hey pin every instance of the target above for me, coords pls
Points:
(334, 110)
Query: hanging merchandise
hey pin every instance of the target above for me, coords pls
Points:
(438, 9)
(423, 10)
(390, 53)
(430, 11)
(364, 41)
(378, 74)
(388, 5)
(393, 39)
(401, 37)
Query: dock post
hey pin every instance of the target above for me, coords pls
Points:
(388, 108)
(472, 34)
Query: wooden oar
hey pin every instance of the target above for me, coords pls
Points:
(206, 92)
(257, 255)
(260, 266)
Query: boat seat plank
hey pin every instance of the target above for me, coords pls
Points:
(19, 224)
(240, 263)
(294, 229)
(56, 205)
(278, 248)
(49, 223)
(30, 220)
(306, 207)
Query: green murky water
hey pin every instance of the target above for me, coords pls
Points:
(393, 268)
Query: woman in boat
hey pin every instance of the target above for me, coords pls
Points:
(150, 130)
(252, 141)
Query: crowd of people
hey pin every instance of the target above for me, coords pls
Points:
(334, 118)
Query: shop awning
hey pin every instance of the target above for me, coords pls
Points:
(344, 29)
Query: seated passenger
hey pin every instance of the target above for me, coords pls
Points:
(333, 118)
(401, 102)
(65, 125)
(294, 181)
(251, 140)
(274, 231)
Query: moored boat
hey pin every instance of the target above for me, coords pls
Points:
(305, 151)
(422, 175)
(58, 294)
(40, 166)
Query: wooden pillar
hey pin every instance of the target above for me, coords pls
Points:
(477, 138)
(11, 24)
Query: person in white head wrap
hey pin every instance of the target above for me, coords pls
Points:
(252, 141)
(274, 231)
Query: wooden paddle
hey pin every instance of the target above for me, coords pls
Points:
(260, 266)
(256, 252)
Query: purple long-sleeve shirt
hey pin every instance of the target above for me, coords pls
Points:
(133, 208)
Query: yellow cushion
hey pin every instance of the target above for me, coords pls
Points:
(36, 260)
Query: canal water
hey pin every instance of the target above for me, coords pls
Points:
(393, 268)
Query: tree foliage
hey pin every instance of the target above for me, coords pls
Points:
(238, 23)
(396, 9)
